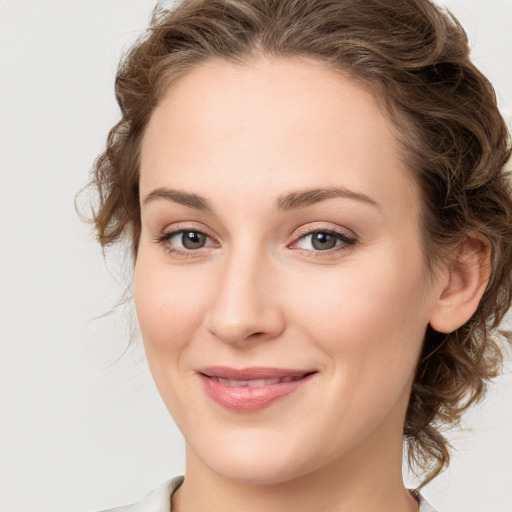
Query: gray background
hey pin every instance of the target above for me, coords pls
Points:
(78, 430)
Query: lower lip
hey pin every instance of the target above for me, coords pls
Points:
(250, 399)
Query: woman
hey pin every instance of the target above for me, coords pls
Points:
(315, 197)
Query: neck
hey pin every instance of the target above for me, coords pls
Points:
(358, 481)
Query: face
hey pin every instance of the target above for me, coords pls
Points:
(279, 283)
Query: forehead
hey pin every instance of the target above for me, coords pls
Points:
(286, 123)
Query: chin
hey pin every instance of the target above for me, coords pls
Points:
(261, 472)
(255, 459)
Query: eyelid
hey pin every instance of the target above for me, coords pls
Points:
(346, 236)
(315, 227)
(165, 237)
(187, 226)
(175, 229)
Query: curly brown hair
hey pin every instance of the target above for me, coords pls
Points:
(414, 57)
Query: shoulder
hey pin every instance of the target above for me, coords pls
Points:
(158, 500)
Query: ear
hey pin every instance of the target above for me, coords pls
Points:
(464, 283)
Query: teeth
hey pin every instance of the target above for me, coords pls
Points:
(263, 382)
(254, 383)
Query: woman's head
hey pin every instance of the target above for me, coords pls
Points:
(444, 130)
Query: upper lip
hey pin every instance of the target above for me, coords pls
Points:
(252, 373)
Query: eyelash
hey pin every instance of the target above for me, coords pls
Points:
(166, 237)
(346, 241)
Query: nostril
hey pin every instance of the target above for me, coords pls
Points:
(256, 335)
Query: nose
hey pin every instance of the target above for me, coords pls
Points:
(246, 304)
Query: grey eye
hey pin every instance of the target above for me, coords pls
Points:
(322, 241)
(319, 241)
(193, 239)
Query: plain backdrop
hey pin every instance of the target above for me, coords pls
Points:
(80, 426)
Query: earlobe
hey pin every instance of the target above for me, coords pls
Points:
(468, 273)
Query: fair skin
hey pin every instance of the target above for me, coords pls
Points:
(229, 274)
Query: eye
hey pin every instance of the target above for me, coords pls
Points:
(190, 239)
(323, 240)
(185, 240)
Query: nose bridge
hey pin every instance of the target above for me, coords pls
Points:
(244, 302)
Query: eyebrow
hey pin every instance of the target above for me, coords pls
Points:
(178, 196)
(290, 201)
(309, 197)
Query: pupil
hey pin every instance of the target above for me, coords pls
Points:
(323, 241)
(193, 240)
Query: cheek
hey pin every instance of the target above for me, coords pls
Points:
(169, 307)
(371, 325)
(169, 310)
(364, 312)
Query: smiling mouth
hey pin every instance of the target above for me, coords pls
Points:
(254, 383)
(251, 389)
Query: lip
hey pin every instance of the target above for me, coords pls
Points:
(251, 396)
